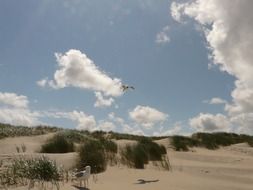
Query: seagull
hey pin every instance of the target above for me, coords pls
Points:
(126, 87)
(83, 176)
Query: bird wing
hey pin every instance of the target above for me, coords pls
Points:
(79, 174)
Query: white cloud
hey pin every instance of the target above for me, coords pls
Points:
(126, 128)
(176, 10)
(102, 101)
(19, 116)
(163, 37)
(215, 101)
(210, 123)
(245, 121)
(106, 126)
(138, 132)
(227, 26)
(14, 110)
(14, 100)
(116, 119)
(242, 100)
(77, 70)
(84, 121)
(176, 129)
(42, 82)
(146, 116)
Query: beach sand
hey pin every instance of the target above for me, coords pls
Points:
(228, 168)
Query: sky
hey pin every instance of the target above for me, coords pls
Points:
(63, 63)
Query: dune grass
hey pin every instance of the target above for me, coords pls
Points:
(7, 130)
(181, 143)
(57, 144)
(145, 150)
(23, 171)
(92, 153)
(97, 153)
(210, 141)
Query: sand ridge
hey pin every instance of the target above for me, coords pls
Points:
(228, 168)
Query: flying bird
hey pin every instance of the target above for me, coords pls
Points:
(126, 87)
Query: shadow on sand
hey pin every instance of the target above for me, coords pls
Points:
(80, 188)
(143, 181)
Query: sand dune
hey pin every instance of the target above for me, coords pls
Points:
(228, 168)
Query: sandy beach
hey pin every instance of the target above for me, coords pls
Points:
(228, 168)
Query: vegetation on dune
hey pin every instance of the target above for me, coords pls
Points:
(23, 171)
(57, 144)
(75, 136)
(7, 130)
(119, 136)
(144, 151)
(97, 148)
(209, 140)
(153, 150)
(181, 143)
(97, 153)
(134, 156)
(109, 145)
(92, 153)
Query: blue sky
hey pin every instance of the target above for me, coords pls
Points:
(141, 43)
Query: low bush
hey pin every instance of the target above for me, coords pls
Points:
(163, 150)
(153, 150)
(209, 140)
(109, 145)
(22, 171)
(57, 144)
(134, 156)
(74, 136)
(144, 151)
(92, 153)
(7, 130)
(181, 143)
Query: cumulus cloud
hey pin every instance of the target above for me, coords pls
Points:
(42, 82)
(215, 101)
(102, 101)
(116, 119)
(106, 126)
(14, 100)
(244, 121)
(84, 121)
(14, 110)
(163, 36)
(77, 70)
(210, 123)
(176, 10)
(227, 26)
(146, 116)
(126, 128)
(175, 130)
(19, 116)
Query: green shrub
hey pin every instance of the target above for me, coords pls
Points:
(134, 156)
(92, 153)
(214, 140)
(57, 144)
(35, 170)
(140, 154)
(181, 143)
(153, 150)
(74, 136)
(98, 134)
(109, 145)
(163, 150)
